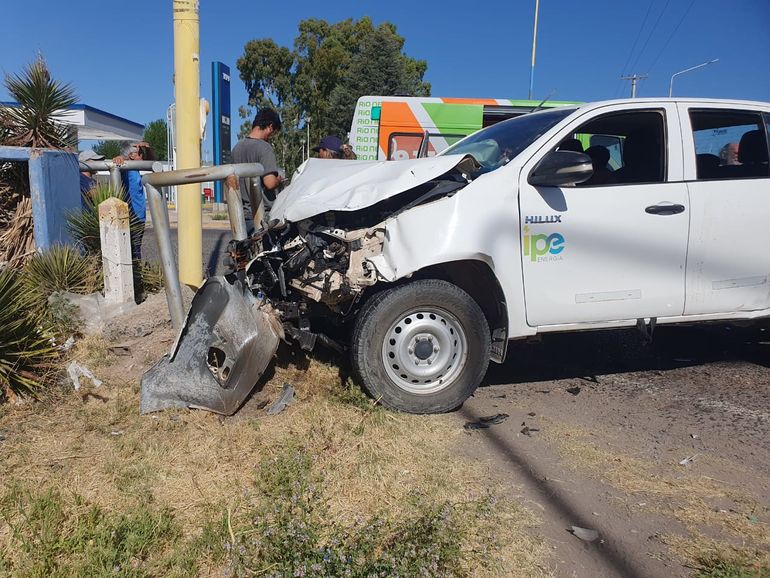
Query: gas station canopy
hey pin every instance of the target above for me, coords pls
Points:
(95, 124)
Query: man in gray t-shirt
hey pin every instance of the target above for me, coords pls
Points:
(255, 148)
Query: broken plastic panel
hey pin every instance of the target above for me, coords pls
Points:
(223, 349)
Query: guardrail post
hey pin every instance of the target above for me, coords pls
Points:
(116, 251)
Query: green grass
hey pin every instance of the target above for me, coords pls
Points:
(59, 535)
(732, 566)
(219, 216)
(286, 531)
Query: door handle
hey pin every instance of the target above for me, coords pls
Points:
(664, 209)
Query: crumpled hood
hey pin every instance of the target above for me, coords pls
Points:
(322, 185)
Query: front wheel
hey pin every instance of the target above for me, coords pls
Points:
(422, 347)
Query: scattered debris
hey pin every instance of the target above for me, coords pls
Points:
(286, 399)
(116, 433)
(262, 403)
(573, 390)
(67, 345)
(695, 436)
(2, 437)
(120, 350)
(486, 422)
(527, 431)
(85, 396)
(688, 460)
(532, 414)
(75, 371)
(501, 396)
(585, 534)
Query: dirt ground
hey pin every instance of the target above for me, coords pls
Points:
(662, 449)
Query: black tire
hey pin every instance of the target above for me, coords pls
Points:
(416, 325)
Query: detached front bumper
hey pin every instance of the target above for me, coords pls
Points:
(227, 342)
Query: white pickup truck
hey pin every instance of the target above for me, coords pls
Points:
(605, 215)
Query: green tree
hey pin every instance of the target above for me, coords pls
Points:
(156, 135)
(109, 149)
(320, 80)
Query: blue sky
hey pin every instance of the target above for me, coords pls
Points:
(119, 56)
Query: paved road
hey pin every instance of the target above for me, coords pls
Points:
(214, 244)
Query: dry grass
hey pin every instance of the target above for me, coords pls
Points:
(199, 465)
(692, 499)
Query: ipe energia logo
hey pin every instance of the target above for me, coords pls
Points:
(543, 247)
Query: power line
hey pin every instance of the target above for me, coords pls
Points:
(671, 36)
(652, 30)
(633, 47)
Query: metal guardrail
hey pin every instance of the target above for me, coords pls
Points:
(115, 170)
(159, 213)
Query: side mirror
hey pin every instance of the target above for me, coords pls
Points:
(561, 168)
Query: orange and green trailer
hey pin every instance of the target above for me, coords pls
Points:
(404, 127)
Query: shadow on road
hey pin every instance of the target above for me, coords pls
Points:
(591, 354)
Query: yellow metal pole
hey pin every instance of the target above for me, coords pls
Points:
(188, 146)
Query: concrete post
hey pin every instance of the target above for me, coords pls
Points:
(116, 251)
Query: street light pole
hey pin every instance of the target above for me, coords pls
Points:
(671, 84)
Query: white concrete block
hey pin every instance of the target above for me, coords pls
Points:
(116, 251)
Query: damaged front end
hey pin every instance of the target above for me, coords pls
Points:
(297, 280)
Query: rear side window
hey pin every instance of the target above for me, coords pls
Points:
(729, 144)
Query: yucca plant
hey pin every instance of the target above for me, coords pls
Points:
(35, 122)
(26, 350)
(148, 277)
(62, 268)
(83, 224)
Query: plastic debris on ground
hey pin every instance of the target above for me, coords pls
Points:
(688, 460)
(286, 399)
(585, 534)
(486, 422)
(75, 371)
(573, 390)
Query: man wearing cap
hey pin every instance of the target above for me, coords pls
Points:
(255, 148)
(87, 180)
(330, 147)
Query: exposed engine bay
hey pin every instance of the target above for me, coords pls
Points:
(315, 272)
(300, 278)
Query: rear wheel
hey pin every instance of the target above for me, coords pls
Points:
(422, 347)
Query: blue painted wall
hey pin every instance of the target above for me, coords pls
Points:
(55, 186)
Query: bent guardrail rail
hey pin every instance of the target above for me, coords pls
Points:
(159, 213)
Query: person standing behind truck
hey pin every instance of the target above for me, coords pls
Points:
(255, 148)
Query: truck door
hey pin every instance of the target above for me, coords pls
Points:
(613, 248)
(726, 154)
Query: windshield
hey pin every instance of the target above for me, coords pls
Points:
(494, 146)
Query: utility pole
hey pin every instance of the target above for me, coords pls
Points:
(188, 138)
(534, 45)
(634, 78)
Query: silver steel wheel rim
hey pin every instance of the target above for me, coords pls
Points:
(425, 350)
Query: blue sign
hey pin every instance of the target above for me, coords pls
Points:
(220, 82)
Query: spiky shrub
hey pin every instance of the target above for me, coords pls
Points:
(35, 122)
(83, 224)
(26, 351)
(148, 277)
(62, 268)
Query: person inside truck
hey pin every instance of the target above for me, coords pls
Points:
(602, 175)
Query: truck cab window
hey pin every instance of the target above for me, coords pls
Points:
(625, 148)
(729, 144)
